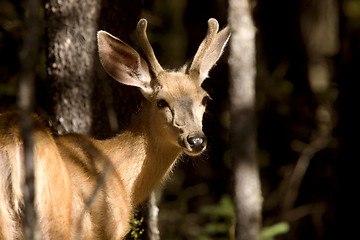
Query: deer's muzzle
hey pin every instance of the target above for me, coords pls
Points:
(195, 144)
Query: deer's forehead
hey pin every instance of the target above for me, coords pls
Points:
(179, 86)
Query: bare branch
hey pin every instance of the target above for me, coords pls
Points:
(322, 138)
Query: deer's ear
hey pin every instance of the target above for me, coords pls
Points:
(122, 62)
(209, 50)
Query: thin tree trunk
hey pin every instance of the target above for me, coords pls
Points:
(243, 133)
(153, 232)
(29, 57)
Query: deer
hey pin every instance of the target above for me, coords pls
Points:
(87, 188)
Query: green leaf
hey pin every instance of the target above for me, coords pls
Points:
(268, 233)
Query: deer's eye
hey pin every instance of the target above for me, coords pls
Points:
(205, 100)
(161, 103)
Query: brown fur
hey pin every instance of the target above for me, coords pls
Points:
(87, 188)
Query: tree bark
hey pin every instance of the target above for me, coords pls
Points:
(242, 115)
(71, 39)
(82, 93)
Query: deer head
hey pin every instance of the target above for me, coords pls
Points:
(176, 99)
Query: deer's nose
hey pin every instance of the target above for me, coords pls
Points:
(197, 143)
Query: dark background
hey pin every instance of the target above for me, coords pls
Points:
(197, 202)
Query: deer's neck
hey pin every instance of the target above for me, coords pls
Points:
(142, 158)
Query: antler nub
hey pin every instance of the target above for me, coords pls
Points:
(213, 27)
(146, 47)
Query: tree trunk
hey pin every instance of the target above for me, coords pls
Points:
(242, 111)
(85, 99)
(153, 232)
(71, 33)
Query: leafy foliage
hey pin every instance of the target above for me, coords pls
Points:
(137, 229)
(221, 219)
(269, 233)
